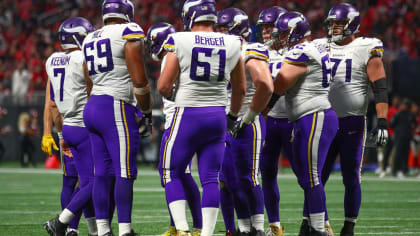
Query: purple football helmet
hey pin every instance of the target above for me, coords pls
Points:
(123, 9)
(73, 31)
(198, 10)
(156, 37)
(270, 15)
(235, 20)
(294, 24)
(343, 12)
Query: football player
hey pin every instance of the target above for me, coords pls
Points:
(114, 58)
(201, 63)
(279, 129)
(244, 147)
(356, 62)
(304, 78)
(68, 93)
(156, 37)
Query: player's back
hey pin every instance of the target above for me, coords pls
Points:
(310, 93)
(349, 89)
(67, 85)
(105, 59)
(206, 60)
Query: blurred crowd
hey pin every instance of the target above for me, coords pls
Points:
(28, 35)
(401, 155)
(28, 31)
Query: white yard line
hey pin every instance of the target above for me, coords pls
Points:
(155, 173)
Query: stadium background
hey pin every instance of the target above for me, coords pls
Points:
(28, 35)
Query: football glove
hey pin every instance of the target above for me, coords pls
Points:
(231, 120)
(145, 126)
(381, 132)
(47, 142)
(247, 119)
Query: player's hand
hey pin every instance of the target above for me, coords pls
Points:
(381, 132)
(47, 142)
(238, 128)
(231, 120)
(65, 148)
(145, 125)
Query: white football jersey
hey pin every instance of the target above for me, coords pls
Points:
(251, 51)
(276, 58)
(68, 85)
(168, 106)
(105, 59)
(206, 60)
(349, 89)
(310, 93)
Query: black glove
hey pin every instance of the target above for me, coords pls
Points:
(145, 125)
(381, 132)
(231, 120)
(237, 129)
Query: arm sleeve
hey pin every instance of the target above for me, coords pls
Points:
(169, 44)
(375, 48)
(296, 56)
(256, 51)
(133, 31)
(51, 92)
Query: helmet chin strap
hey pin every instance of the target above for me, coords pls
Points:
(77, 42)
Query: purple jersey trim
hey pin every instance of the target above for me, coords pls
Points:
(51, 92)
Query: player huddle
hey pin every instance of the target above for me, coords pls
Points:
(234, 104)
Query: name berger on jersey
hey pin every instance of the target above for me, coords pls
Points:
(210, 41)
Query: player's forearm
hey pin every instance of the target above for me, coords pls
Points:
(47, 120)
(262, 96)
(57, 118)
(236, 100)
(382, 110)
(145, 102)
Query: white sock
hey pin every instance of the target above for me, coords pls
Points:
(66, 216)
(91, 223)
(327, 222)
(350, 219)
(209, 220)
(258, 221)
(318, 221)
(103, 226)
(276, 224)
(124, 228)
(244, 225)
(74, 230)
(179, 214)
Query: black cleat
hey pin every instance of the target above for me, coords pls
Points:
(255, 232)
(72, 233)
(313, 232)
(305, 229)
(348, 229)
(132, 233)
(55, 228)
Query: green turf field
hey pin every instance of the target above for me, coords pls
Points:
(29, 197)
